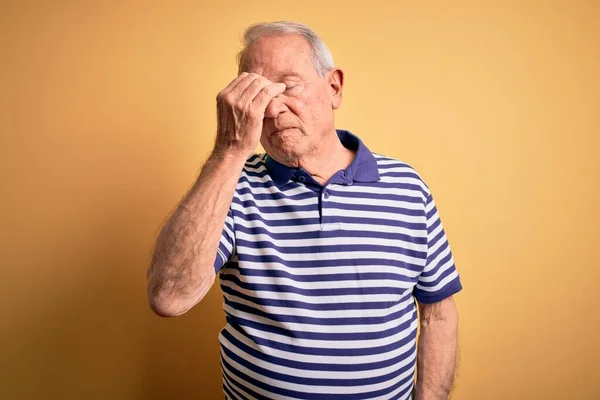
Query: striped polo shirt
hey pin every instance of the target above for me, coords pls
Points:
(319, 281)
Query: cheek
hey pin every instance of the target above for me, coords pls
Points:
(298, 106)
(320, 110)
(309, 109)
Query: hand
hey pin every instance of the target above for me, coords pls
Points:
(240, 112)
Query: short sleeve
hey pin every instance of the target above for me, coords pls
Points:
(439, 279)
(227, 243)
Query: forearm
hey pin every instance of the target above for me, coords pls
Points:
(437, 352)
(181, 270)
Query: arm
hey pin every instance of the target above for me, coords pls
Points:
(437, 350)
(182, 268)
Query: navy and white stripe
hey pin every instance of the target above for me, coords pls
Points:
(319, 283)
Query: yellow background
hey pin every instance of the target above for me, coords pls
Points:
(107, 111)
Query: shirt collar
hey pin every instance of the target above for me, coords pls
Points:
(362, 169)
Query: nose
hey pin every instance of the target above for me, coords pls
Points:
(275, 107)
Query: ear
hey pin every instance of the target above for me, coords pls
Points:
(336, 85)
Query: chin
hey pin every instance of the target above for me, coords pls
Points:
(288, 145)
(285, 151)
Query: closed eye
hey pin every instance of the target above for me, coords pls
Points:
(290, 88)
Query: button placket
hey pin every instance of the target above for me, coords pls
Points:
(326, 223)
(323, 207)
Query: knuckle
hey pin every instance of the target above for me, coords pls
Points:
(268, 90)
(256, 83)
(264, 80)
(228, 99)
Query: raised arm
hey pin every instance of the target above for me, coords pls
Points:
(437, 350)
(182, 268)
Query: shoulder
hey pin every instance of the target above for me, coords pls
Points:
(254, 165)
(255, 162)
(393, 170)
(254, 173)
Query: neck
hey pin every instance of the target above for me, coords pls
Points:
(325, 161)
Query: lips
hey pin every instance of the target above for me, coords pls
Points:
(281, 130)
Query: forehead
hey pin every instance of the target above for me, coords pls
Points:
(276, 56)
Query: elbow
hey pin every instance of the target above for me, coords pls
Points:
(167, 302)
(167, 309)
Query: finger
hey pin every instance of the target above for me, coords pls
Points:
(266, 94)
(234, 83)
(253, 89)
(242, 84)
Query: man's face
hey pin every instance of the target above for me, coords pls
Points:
(305, 109)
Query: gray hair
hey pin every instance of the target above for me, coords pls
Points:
(322, 58)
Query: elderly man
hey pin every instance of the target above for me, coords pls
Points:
(323, 248)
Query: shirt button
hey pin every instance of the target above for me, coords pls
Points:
(302, 178)
(326, 195)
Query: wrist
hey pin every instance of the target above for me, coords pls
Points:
(230, 155)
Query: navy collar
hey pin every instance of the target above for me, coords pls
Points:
(362, 169)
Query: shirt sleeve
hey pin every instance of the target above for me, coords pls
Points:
(439, 279)
(226, 247)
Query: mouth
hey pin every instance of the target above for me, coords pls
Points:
(281, 130)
